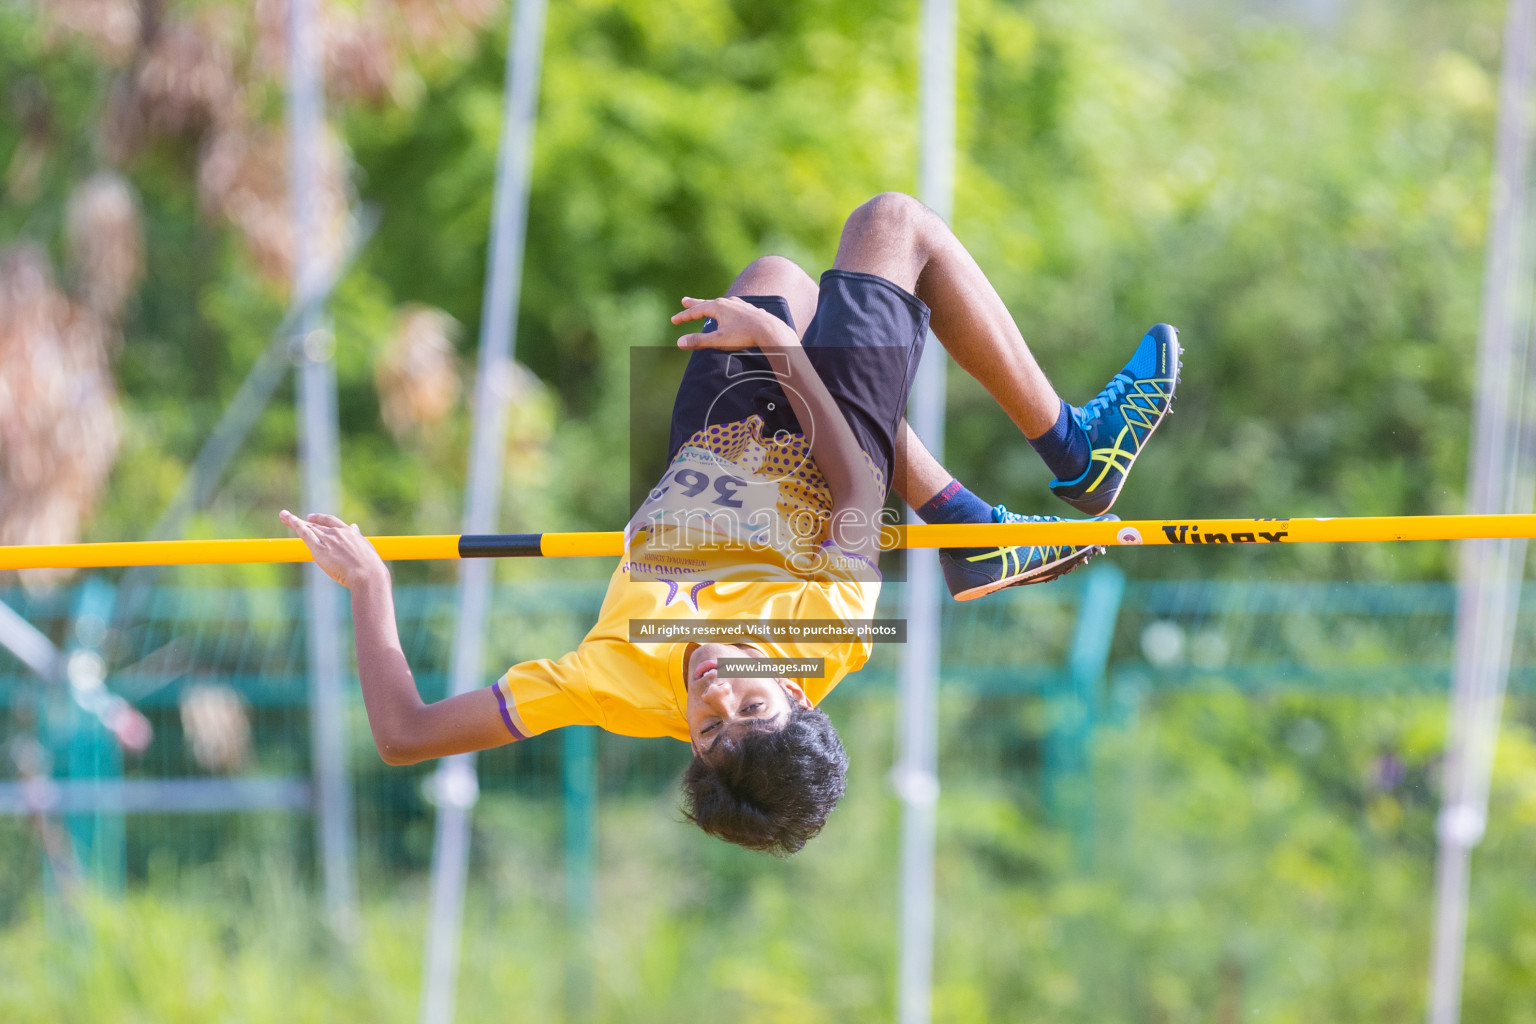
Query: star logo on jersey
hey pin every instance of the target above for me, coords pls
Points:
(691, 595)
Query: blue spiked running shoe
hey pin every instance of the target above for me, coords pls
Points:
(1121, 418)
(975, 572)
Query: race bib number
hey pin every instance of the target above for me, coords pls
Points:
(703, 495)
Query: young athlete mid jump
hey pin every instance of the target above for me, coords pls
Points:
(787, 433)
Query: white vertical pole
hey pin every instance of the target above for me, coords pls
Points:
(1499, 480)
(916, 773)
(456, 783)
(318, 451)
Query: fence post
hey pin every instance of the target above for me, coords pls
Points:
(1075, 711)
(482, 500)
(916, 772)
(579, 755)
(319, 457)
(91, 752)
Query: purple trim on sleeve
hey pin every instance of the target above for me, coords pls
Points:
(506, 716)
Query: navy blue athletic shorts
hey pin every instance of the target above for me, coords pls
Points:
(864, 341)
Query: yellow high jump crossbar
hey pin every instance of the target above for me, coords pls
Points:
(971, 535)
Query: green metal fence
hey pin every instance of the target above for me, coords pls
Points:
(1079, 654)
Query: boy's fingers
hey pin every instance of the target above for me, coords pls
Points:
(726, 340)
(697, 311)
(324, 519)
(305, 532)
(714, 339)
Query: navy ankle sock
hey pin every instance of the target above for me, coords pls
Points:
(1064, 448)
(955, 504)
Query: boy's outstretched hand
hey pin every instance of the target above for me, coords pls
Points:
(341, 550)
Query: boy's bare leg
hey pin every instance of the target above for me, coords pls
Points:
(1090, 449)
(898, 238)
(918, 476)
(937, 496)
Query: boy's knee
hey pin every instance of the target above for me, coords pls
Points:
(891, 211)
(775, 275)
(775, 267)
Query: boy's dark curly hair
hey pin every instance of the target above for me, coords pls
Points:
(769, 790)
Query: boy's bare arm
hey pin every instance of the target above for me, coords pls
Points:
(405, 729)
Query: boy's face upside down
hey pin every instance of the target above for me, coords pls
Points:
(724, 706)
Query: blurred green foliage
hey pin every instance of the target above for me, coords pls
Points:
(1305, 199)
(1251, 859)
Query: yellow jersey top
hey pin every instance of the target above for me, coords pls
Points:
(639, 689)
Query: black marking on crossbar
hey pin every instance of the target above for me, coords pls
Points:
(500, 545)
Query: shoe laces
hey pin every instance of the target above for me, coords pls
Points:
(1113, 392)
(1000, 514)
